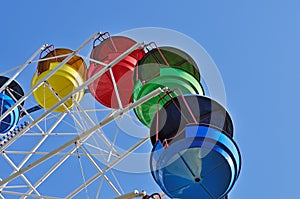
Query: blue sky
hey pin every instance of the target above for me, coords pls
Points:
(255, 45)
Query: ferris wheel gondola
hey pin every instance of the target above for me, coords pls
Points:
(8, 98)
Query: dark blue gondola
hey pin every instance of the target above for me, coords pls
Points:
(8, 98)
(194, 155)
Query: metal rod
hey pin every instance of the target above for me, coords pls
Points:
(49, 58)
(99, 188)
(16, 187)
(100, 170)
(44, 153)
(52, 134)
(134, 194)
(116, 88)
(28, 195)
(111, 148)
(100, 149)
(93, 60)
(22, 67)
(96, 110)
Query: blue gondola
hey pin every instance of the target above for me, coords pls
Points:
(8, 98)
(194, 155)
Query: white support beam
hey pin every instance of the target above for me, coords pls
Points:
(28, 195)
(58, 154)
(100, 170)
(22, 67)
(134, 194)
(116, 88)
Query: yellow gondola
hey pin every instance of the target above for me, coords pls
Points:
(62, 82)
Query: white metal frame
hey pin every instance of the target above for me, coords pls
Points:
(75, 141)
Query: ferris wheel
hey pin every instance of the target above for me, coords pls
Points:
(75, 126)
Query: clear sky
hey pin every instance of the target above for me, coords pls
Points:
(255, 45)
